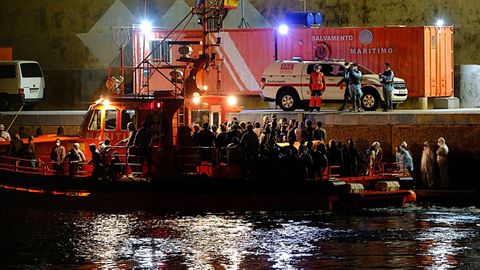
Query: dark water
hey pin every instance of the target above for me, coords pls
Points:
(408, 238)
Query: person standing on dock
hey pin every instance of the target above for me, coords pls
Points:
(426, 165)
(386, 78)
(355, 84)
(4, 136)
(442, 153)
(317, 86)
(344, 83)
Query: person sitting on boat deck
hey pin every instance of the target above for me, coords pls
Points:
(4, 136)
(143, 144)
(57, 156)
(97, 172)
(31, 153)
(129, 141)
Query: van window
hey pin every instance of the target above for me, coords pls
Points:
(30, 70)
(94, 123)
(110, 119)
(127, 116)
(365, 70)
(7, 72)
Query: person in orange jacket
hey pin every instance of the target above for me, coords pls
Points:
(317, 86)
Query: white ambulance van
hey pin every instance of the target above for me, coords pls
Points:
(286, 82)
(20, 82)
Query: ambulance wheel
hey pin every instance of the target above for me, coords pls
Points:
(288, 99)
(370, 100)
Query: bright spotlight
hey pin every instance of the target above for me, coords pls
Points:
(232, 100)
(106, 103)
(196, 98)
(283, 29)
(205, 87)
(440, 23)
(146, 27)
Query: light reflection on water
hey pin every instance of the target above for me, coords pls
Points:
(432, 238)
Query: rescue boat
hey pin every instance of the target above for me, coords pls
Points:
(175, 178)
(171, 176)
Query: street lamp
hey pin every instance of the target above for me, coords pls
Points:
(282, 29)
(440, 23)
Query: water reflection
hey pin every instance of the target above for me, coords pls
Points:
(443, 236)
(432, 238)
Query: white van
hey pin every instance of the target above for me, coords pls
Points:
(287, 83)
(20, 81)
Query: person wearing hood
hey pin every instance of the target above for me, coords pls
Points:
(442, 161)
(426, 165)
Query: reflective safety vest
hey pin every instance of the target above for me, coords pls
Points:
(317, 81)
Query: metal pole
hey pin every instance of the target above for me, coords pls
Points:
(275, 41)
(14, 118)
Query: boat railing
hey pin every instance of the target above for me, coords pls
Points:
(37, 166)
(394, 168)
(221, 161)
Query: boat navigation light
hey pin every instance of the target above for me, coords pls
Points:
(205, 87)
(232, 100)
(196, 98)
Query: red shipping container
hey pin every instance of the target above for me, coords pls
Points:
(422, 56)
(6, 54)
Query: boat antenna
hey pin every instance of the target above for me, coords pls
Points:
(243, 22)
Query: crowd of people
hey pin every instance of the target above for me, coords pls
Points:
(291, 149)
(275, 148)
